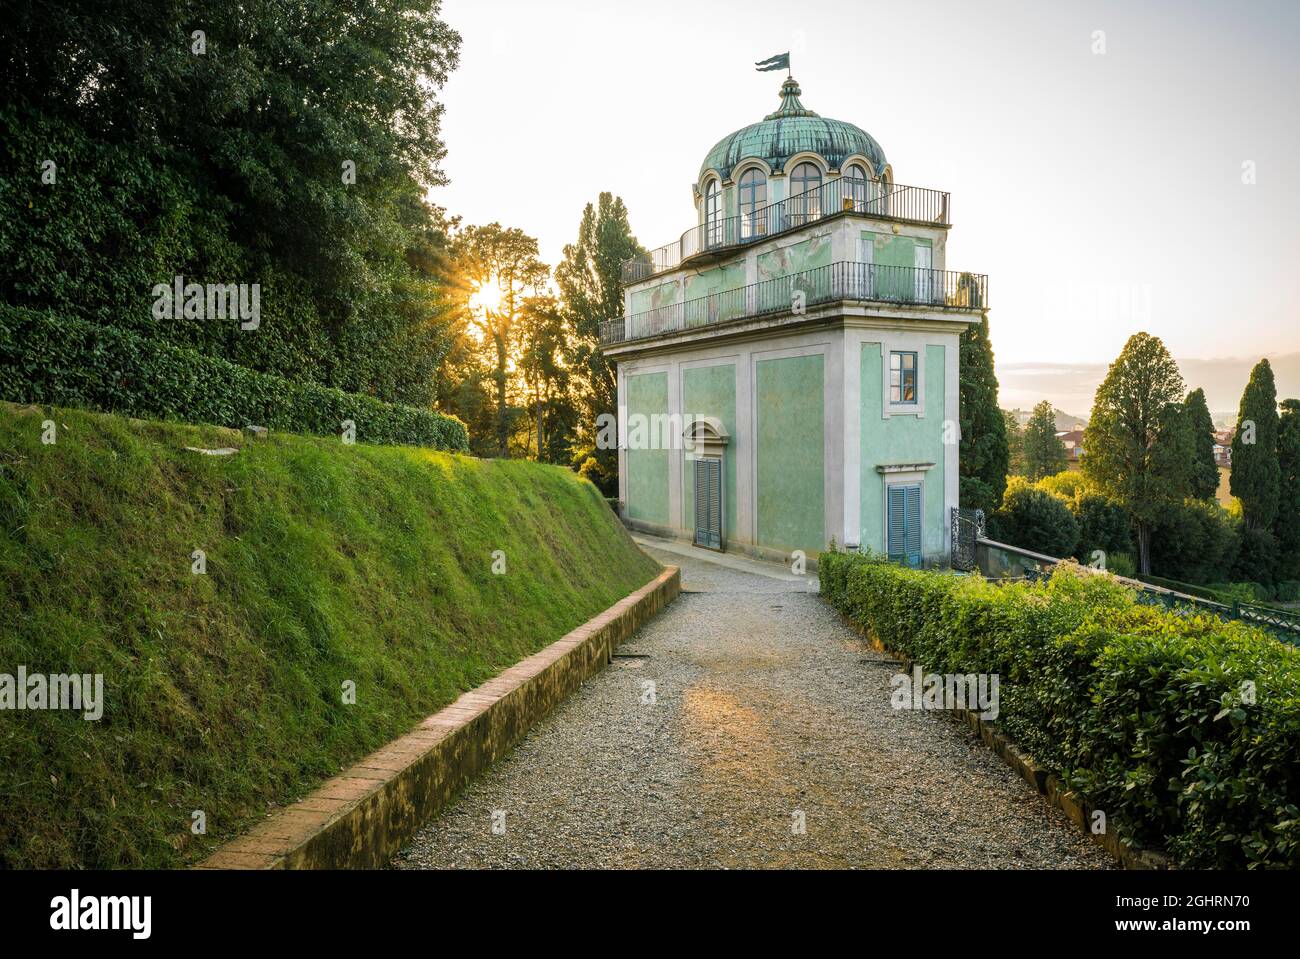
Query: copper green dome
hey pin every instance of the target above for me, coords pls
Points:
(792, 129)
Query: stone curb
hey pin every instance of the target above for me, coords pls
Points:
(361, 817)
(1047, 783)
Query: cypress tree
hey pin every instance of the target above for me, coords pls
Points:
(1205, 472)
(1287, 526)
(1256, 475)
(983, 450)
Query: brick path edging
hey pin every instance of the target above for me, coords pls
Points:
(361, 817)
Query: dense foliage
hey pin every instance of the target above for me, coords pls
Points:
(60, 361)
(1145, 712)
(1287, 527)
(287, 143)
(1034, 519)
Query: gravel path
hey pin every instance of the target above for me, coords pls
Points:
(765, 705)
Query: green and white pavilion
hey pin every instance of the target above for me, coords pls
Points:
(788, 368)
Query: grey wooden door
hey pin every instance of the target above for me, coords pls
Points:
(708, 502)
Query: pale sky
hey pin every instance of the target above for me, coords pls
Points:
(1101, 193)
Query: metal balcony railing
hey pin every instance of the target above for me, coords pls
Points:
(824, 284)
(875, 198)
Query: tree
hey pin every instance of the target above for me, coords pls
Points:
(1015, 444)
(1287, 526)
(1256, 475)
(1036, 520)
(543, 343)
(983, 454)
(1137, 440)
(292, 151)
(1204, 470)
(495, 270)
(590, 281)
(1044, 451)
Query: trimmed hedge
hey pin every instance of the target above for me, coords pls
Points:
(69, 362)
(1140, 710)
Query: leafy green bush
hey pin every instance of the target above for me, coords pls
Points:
(68, 362)
(1035, 520)
(1288, 591)
(1142, 710)
(1241, 592)
(1067, 484)
(1195, 541)
(1258, 558)
(1122, 564)
(1103, 524)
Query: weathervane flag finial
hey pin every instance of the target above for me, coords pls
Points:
(779, 62)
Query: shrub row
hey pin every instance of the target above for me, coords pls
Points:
(71, 362)
(1144, 712)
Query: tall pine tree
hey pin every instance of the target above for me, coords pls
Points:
(1205, 472)
(1044, 451)
(590, 281)
(983, 455)
(1256, 475)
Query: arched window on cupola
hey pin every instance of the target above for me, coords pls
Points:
(856, 187)
(753, 203)
(805, 193)
(713, 213)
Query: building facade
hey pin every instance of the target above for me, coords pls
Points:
(788, 368)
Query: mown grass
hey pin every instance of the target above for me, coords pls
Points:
(325, 563)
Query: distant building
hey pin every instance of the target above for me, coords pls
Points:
(1223, 447)
(1072, 440)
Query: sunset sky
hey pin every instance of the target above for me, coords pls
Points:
(1101, 192)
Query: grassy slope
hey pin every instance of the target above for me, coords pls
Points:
(325, 563)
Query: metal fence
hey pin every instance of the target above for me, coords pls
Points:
(835, 281)
(1000, 561)
(874, 198)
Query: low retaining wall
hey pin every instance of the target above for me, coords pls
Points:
(360, 818)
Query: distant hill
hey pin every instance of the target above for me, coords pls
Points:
(1064, 421)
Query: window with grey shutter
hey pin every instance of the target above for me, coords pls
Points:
(708, 502)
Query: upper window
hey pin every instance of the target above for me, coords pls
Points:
(805, 194)
(805, 177)
(753, 201)
(713, 212)
(902, 377)
(855, 185)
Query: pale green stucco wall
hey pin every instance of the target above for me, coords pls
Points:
(719, 280)
(711, 391)
(790, 454)
(806, 255)
(643, 301)
(647, 469)
(903, 438)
